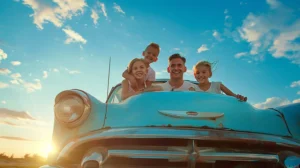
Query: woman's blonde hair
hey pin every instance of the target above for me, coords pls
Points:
(130, 65)
(203, 63)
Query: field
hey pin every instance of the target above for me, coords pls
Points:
(28, 161)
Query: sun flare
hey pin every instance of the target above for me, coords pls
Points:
(48, 148)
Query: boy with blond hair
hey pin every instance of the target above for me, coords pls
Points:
(150, 55)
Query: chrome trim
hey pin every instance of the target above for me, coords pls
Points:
(204, 155)
(95, 154)
(213, 154)
(147, 154)
(195, 114)
(194, 134)
(87, 107)
(50, 166)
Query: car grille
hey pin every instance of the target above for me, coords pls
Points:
(148, 153)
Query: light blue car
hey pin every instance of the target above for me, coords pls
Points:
(172, 129)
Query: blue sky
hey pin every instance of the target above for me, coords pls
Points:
(47, 46)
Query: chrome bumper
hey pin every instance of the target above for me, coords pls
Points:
(190, 153)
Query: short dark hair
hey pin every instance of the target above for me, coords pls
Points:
(177, 56)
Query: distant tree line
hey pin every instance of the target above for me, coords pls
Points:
(27, 157)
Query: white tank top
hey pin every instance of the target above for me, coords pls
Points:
(215, 87)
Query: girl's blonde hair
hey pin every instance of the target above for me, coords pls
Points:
(203, 63)
(130, 65)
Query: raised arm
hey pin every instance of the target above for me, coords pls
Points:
(129, 77)
(230, 93)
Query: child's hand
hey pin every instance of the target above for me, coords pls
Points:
(133, 82)
(241, 98)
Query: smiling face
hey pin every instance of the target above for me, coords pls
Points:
(139, 70)
(176, 68)
(202, 73)
(150, 54)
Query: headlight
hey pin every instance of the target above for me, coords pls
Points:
(71, 107)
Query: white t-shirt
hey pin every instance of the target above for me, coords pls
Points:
(215, 87)
(186, 86)
(150, 75)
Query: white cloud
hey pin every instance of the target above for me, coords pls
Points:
(295, 84)
(73, 37)
(225, 11)
(202, 48)
(298, 92)
(217, 35)
(94, 16)
(80, 46)
(3, 55)
(132, 17)
(273, 3)
(272, 102)
(118, 8)
(15, 63)
(15, 82)
(45, 74)
(3, 102)
(4, 71)
(284, 44)
(239, 55)
(72, 71)
(296, 101)
(15, 75)
(32, 87)
(6, 113)
(189, 72)
(19, 118)
(3, 85)
(103, 9)
(274, 32)
(55, 70)
(63, 9)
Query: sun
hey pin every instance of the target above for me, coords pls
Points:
(46, 149)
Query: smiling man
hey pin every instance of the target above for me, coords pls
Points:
(176, 69)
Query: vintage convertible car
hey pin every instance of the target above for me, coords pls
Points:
(172, 129)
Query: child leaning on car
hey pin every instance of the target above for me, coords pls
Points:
(202, 72)
(138, 69)
(150, 55)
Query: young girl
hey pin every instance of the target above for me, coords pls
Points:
(202, 72)
(138, 69)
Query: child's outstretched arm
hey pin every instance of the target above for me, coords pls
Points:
(129, 77)
(125, 90)
(230, 93)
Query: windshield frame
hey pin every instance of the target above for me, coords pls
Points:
(119, 86)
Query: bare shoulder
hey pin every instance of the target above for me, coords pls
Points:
(125, 81)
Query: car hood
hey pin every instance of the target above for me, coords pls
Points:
(194, 109)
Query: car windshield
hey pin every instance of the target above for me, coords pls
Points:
(115, 95)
